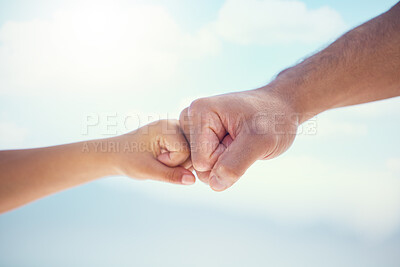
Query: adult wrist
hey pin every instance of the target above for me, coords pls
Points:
(296, 94)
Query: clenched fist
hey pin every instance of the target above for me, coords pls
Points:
(228, 133)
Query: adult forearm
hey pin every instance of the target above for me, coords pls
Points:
(28, 174)
(361, 66)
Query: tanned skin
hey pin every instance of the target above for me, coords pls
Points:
(228, 133)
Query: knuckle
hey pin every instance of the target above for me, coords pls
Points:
(170, 175)
(228, 172)
(184, 115)
(202, 165)
(203, 176)
(169, 124)
(198, 104)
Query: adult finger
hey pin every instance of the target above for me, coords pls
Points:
(242, 152)
(205, 176)
(206, 133)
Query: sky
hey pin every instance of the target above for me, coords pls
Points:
(333, 199)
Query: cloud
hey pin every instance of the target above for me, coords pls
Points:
(301, 191)
(96, 47)
(382, 108)
(103, 46)
(393, 164)
(365, 201)
(134, 48)
(267, 22)
(328, 127)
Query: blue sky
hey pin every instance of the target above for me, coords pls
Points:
(333, 199)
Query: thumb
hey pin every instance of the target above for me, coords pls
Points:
(234, 161)
(175, 175)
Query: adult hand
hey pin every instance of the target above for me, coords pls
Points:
(228, 133)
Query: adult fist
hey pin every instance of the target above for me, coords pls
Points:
(228, 133)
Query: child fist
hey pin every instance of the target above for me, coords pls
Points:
(157, 151)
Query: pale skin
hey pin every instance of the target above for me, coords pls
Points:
(228, 133)
(157, 151)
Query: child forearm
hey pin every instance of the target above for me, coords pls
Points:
(158, 151)
(28, 174)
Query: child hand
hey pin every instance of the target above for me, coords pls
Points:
(157, 151)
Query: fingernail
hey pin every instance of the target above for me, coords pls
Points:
(188, 179)
(216, 184)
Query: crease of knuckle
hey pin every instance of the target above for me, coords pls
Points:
(170, 176)
(228, 172)
(202, 165)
